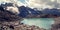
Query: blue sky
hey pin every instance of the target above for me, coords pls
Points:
(22, 1)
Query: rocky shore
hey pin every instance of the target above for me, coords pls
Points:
(16, 25)
(56, 25)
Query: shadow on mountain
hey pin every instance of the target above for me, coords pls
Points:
(27, 12)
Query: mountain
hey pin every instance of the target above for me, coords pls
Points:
(7, 4)
(8, 16)
(29, 12)
(53, 11)
(25, 11)
(32, 13)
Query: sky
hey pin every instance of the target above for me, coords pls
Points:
(44, 3)
(36, 3)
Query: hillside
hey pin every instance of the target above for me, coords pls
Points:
(8, 16)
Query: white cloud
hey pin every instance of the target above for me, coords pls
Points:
(37, 3)
(44, 3)
(13, 9)
(58, 1)
(58, 5)
(12, 1)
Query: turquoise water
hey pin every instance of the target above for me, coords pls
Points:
(41, 22)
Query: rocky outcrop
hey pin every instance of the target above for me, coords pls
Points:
(18, 26)
(56, 25)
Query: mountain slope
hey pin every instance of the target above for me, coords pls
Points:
(25, 11)
(7, 16)
(28, 12)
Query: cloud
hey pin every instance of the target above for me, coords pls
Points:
(58, 1)
(44, 3)
(36, 3)
(58, 5)
(13, 10)
(12, 1)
